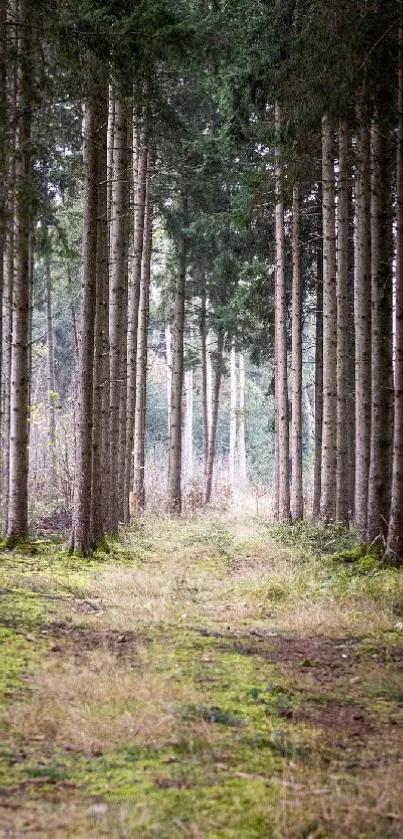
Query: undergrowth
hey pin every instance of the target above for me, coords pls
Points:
(196, 682)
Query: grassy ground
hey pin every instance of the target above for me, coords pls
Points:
(209, 679)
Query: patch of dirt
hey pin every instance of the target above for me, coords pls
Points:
(124, 645)
(354, 720)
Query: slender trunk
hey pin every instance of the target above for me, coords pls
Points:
(175, 437)
(317, 479)
(168, 359)
(381, 371)
(233, 418)
(241, 437)
(280, 328)
(7, 302)
(297, 492)
(51, 378)
(110, 154)
(142, 353)
(342, 487)
(214, 415)
(351, 357)
(18, 478)
(100, 485)
(395, 535)
(203, 339)
(329, 441)
(140, 184)
(362, 318)
(118, 275)
(3, 174)
(80, 539)
(188, 426)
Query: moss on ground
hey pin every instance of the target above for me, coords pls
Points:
(246, 740)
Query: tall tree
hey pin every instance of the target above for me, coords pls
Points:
(362, 317)
(140, 182)
(117, 301)
(18, 452)
(142, 350)
(381, 370)
(297, 495)
(342, 484)
(328, 497)
(317, 469)
(175, 431)
(80, 538)
(395, 534)
(280, 349)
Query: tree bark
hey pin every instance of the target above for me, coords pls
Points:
(395, 534)
(51, 377)
(317, 479)
(241, 436)
(342, 475)
(140, 182)
(280, 327)
(214, 415)
(80, 539)
(117, 300)
(175, 436)
(381, 370)
(203, 339)
(18, 478)
(142, 352)
(362, 318)
(3, 174)
(329, 438)
(100, 477)
(188, 425)
(233, 418)
(297, 492)
(168, 359)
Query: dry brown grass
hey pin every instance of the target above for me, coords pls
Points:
(99, 705)
(343, 805)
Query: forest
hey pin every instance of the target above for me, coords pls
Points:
(201, 419)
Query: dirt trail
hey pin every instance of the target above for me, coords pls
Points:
(193, 685)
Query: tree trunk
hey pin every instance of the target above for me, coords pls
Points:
(51, 378)
(297, 492)
(362, 318)
(241, 437)
(280, 328)
(188, 426)
(342, 475)
(140, 182)
(142, 352)
(203, 339)
(80, 539)
(3, 174)
(395, 535)
(329, 441)
(100, 478)
(381, 371)
(168, 359)
(175, 436)
(351, 357)
(317, 479)
(214, 415)
(233, 419)
(18, 479)
(117, 300)
(7, 302)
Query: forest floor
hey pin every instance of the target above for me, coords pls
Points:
(209, 678)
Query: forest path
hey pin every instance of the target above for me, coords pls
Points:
(202, 681)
